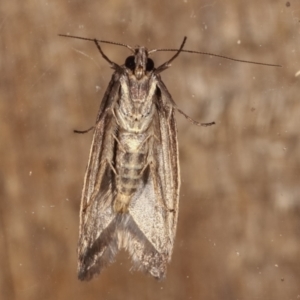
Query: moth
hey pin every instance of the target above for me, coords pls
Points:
(131, 186)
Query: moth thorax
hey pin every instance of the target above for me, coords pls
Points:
(139, 72)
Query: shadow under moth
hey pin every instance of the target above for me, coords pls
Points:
(131, 186)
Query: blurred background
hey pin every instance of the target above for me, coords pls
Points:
(239, 221)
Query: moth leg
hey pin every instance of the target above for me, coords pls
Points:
(173, 104)
(112, 167)
(113, 64)
(193, 121)
(119, 143)
(146, 139)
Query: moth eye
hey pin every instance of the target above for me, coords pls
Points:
(150, 64)
(129, 62)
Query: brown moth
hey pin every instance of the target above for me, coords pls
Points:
(131, 186)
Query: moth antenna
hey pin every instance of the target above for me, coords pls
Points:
(100, 41)
(216, 55)
(83, 131)
(168, 63)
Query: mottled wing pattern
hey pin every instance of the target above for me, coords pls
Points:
(147, 231)
(98, 188)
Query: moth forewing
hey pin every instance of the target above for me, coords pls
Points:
(131, 187)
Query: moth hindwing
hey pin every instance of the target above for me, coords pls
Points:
(131, 186)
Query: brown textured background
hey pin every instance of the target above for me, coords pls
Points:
(239, 223)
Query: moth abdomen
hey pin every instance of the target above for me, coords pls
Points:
(129, 165)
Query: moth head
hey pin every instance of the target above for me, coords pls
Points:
(139, 63)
